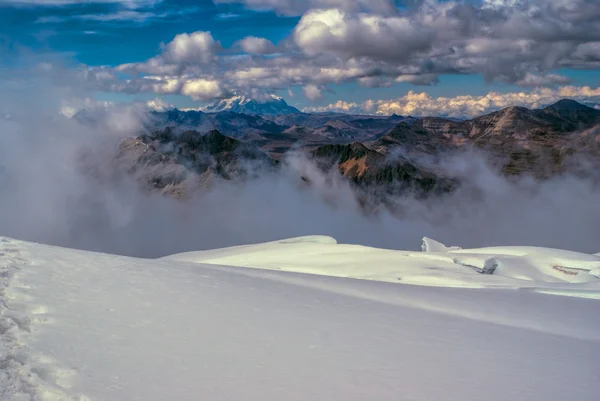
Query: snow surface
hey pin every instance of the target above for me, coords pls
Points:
(269, 104)
(77, 325)
(550, 270)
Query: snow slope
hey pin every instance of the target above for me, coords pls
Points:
(269, 105)
(76, 325)
(548, 270)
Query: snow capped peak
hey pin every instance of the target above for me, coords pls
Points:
(268, 104)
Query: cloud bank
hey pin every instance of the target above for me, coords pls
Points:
(60, 188)
(421, 104)
(376, 44)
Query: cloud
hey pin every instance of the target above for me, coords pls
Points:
(185, 53)
(254, 45)
(202, 89)
(339, 106)
(59, 3)
(504, 41)
(360, 35)
(197, 47)
(537, 81)
(418, 79)
(296, 7)
(312, 92)
(227, 16)
(70, 107)
(159, 104)
(123, 15)
(61, 186)
(422, 104)
(518, 42)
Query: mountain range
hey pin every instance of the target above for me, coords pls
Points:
(384, 155)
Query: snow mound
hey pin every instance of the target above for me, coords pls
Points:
(438, 265)
(430, 245)
(311, 239)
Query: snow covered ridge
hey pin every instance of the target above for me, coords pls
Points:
(267, 105)
(541, 269)
(77, 325)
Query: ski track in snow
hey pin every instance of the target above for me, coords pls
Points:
(25, 375)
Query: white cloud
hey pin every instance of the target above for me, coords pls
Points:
(202, 89)
(254, 45)
(516, 42)
(339, 106)
(360, 35)
(159, 104)
(197, 47)
(519, 42)
(70, 107)
(422, 104)
(312, 92)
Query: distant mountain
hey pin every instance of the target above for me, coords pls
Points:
(177, 163)
(271, 105)
(372, 171)
(539, 142)
(380, 156)
(574, 112)
(228, 122)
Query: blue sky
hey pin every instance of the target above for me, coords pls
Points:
(113, 33)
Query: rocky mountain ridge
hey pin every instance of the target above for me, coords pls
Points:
(540, 143)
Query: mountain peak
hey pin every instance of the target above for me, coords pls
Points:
(568, 105)
(266, 105)
(577, 113)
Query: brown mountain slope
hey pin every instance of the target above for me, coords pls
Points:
(519, 140)
(370, 169)
(176, 163)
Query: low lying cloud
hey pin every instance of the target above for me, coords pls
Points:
(60, 187)
(422, 104)
(340, 106)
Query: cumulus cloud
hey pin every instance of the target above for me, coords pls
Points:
(202, 89)
(360, 35)
(197, 47)
(514, 42)
(339, 106)
(422, 104)
(254, 45)
(336, 41)
(312, 92)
